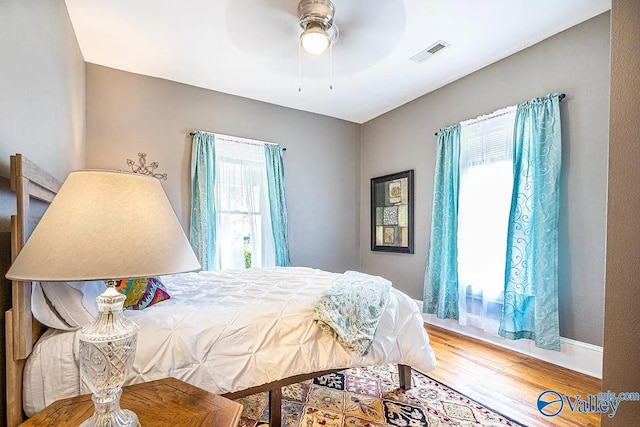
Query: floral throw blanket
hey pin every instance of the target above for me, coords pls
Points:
(351, 308)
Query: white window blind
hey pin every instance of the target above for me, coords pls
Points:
(487, 139)
(244, 237)
(486, 182)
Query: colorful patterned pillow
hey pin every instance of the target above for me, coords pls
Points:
(142, 292)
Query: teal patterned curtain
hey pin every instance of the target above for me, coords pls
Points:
(202, 231)
(277, 203)
(441, 277)
(531, 278)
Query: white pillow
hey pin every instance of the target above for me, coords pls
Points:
(71, 303)
(90, 291)
(44, 312)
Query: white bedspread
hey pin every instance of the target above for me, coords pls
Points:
(228, 331)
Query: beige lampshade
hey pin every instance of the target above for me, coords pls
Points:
(105, 225)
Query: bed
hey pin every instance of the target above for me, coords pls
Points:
(233, 332)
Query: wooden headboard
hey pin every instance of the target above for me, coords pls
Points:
(21, 329)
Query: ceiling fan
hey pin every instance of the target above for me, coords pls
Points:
(319, 30)
(275, 33)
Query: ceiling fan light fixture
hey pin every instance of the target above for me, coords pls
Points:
(316, 12)
(315, 39)
(316, 20)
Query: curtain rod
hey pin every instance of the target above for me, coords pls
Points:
(560, 98)
(240, 139)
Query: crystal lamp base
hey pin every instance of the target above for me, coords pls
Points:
(108, 413)
(107, 351)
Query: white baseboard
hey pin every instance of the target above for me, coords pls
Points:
(575, 355)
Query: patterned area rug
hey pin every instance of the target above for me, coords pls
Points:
(370, 397)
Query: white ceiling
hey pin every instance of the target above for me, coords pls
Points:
(249, 48)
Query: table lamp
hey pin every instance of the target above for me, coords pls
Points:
(106, 225)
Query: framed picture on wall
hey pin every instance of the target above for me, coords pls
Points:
(392, 212)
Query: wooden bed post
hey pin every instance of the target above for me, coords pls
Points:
(404, 372)
(13, 376)
(22, 330)
(275, 406)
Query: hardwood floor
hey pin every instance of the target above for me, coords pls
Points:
(507, 381)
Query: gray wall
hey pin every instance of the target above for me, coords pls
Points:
(42, 108)
(575, 62)
(129, 113)
(621, 370)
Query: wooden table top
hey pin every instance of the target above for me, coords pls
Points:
(163, 403)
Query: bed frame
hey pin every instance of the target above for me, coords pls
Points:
(274, 389)
(22, 330)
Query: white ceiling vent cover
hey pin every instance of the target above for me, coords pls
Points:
(427, 53)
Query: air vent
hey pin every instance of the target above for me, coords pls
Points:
(427, 53)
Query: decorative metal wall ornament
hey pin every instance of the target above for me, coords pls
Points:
(143, 169)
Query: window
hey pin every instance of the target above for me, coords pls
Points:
(494, 228)
(238, 203)
(486, 183)
(243, 220)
